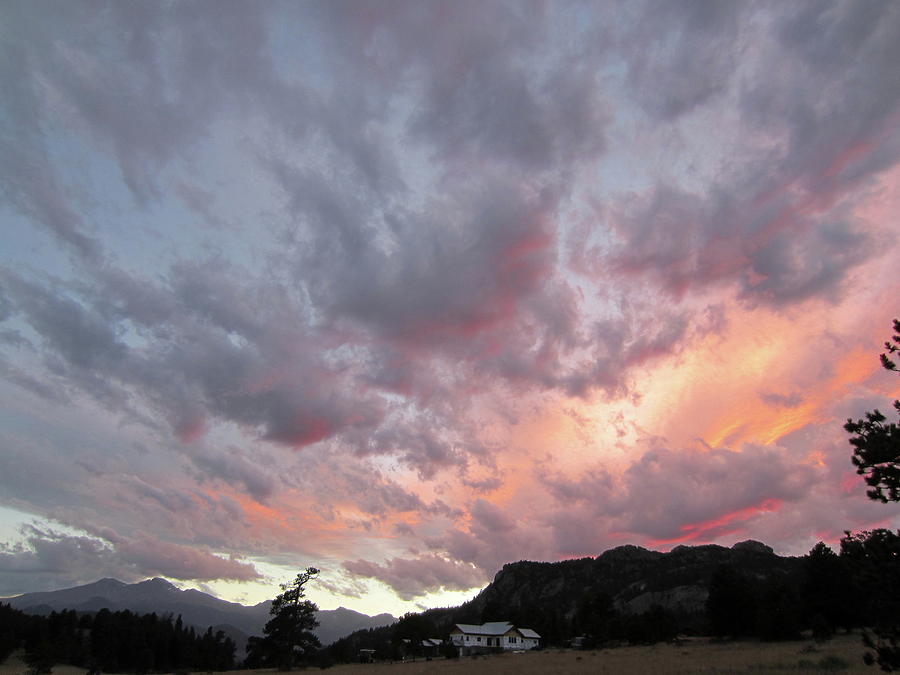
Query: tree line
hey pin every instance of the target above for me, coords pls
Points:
(876, 456)
(855, 588)
(120, 641)
(826, 592)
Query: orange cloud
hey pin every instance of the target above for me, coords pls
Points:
(761, 422)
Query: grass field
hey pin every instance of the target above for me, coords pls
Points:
(841, 655)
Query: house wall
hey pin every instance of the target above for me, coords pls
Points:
(511, 640)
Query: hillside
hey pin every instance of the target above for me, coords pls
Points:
(547, 596)
(634, 577)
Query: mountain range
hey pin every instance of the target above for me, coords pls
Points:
(549, 596)
(195, 607)
(634, 578)
(545, 596)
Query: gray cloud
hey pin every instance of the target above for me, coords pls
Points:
(428, 214)
(680, 55)
(665, 495)
(234, 466)
(412, 577)
(773, 220)
(48, 558)
(773, 252)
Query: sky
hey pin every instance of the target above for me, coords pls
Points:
(410, 290)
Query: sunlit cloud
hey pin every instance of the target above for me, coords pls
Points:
(407, 297)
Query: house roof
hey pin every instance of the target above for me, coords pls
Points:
(492, 628)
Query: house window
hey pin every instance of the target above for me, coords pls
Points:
(478, 639)
(512, 640)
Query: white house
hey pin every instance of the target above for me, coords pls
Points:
(488, 636)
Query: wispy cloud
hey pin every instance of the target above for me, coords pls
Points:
(412, 290)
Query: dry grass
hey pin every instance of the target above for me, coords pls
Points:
(692, 657)
(14, 665)
(841, 655)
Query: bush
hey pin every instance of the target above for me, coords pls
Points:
(821, 629)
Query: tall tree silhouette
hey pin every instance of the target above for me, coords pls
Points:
(288, 640)
(828, 594)
(731, 605)
(876, 441)
(876, 456)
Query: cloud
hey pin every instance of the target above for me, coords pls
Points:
(49, 558)
(183, 562)
(667, 495)
(326, 280)
(478, 95)
(773, 252)
(490, 518)
(413, 577)
(782, 400)
(681, 55)
(234, 466)
(774, 220)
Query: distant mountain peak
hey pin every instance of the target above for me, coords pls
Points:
(753, 546)
(157, 583)
(195, 607)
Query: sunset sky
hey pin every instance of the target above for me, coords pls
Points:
(410, 290)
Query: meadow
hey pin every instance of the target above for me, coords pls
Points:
(843, 654)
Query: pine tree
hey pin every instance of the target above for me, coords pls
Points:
(876, 456)
(288, 638)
